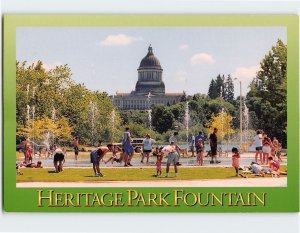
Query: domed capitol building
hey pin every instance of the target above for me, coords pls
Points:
(149, 89)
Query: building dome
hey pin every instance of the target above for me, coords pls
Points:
(150, 61)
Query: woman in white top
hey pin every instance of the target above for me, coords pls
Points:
(147, 147)
(258, 145)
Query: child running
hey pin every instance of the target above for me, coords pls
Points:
(235, 160)
(158, 164)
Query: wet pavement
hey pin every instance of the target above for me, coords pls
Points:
(245, 160)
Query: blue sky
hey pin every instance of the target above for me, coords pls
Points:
(107, 58)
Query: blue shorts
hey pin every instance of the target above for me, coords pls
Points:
(128, 148)
(95, 158)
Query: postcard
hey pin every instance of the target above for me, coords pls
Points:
(151, 113)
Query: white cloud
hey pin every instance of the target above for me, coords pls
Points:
(246, 72)
(201, 58)
(50, 66)
(46, 66)
(181, 76)
(119, 40)
(183, 47)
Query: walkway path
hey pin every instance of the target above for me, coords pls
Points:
(236, 182)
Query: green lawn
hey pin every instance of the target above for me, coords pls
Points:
(123, 174)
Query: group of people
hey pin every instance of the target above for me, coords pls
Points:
(265, 147)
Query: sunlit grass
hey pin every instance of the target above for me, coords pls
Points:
(123, 174)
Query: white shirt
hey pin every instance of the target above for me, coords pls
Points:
(173, 139)
(258, 140)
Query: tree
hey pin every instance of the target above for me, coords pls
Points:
(53, 94)
(212, 90)
(268, 93)
(223, 122)
(229, 90)
(162, 118)
(40, 129)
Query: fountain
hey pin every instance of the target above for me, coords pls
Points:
(186, 119)
(30, 113)
(149, 111)
(53, 118)
(222, 128)
(47, 139)
(246, 122)
(113, 118)
(93, 113)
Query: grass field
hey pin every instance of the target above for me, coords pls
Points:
(123, 174)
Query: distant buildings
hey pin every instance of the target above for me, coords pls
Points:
(149, 89)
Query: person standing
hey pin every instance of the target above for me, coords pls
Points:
(174, 139)
(235, 160)
(213, 142)
(76, 147)
(267, 144)
(275, 147)
(97, 156)
(200, 151)
(197, 138)
(173, 157)
(147, 147)
(192, 145)
(257, 141)
(28, 152)
(128, 148)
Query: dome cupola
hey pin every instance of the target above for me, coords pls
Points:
(150, 61)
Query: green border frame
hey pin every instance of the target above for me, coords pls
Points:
(278, 199)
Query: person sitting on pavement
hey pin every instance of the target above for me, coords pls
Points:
(275, 166)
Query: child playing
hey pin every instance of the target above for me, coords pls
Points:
(158, 164)
(235, 160)
(200, 151)
(275, 166)
(114, 158)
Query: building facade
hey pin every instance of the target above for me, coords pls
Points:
(149, 89)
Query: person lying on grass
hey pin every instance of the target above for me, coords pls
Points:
(31, 165)
(96, 157)
(259, 170)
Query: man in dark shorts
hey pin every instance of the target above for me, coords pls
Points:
(58, 159)
(213, 141)
(76, 147)
(96, 157)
